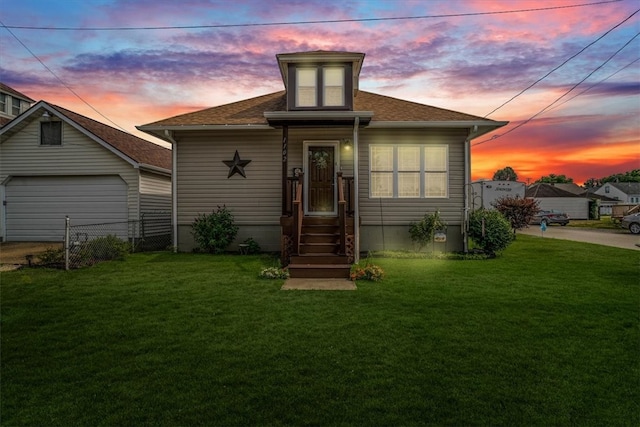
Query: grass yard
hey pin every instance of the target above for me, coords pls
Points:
(546, 334)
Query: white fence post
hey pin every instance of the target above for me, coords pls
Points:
(67, 223)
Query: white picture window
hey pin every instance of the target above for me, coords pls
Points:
(409, 171)
(306, 89)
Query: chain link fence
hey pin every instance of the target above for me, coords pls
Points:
(89, 244)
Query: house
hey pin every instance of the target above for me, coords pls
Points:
(552, 197)
(296, 167)
(625, 192)
(625, 195)
(12, 103)
(54, 162)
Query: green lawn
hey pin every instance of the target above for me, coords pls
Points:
(546, 334)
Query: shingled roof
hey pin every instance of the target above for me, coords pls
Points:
(547, 190)
(251, 111)
(11, 91)
(140, 151)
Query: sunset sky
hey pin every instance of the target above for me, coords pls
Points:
(132, 62)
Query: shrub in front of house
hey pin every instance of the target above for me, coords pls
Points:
(253, 247)
(490, 231)
(422, 232)
(214, 232)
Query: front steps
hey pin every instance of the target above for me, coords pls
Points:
(319, 247)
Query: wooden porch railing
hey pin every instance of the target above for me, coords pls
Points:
(289, 195)
(342, 214)
(298, 215)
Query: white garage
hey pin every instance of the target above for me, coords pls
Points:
(36, 206)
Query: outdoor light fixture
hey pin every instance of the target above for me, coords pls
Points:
(46, 115)
(346, 143)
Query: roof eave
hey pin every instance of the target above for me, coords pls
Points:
(158, 130)
(483, 126)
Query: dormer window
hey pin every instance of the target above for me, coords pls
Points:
(320, 87)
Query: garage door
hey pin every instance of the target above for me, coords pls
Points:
(36, 206)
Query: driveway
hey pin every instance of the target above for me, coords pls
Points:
(617, 238)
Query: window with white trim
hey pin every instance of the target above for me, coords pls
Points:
(320, 87)
(3, 103)
(15, 106)
(408, 171)
(306, 88)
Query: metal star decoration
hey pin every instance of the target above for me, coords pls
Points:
(236, 165)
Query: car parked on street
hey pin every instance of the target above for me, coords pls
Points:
(548, 217)
(632, 222)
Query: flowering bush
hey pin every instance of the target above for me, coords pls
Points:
(366, 272)
(274, 273)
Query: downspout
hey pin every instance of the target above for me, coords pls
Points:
(356, 196)
(174, 193)
(467, 187)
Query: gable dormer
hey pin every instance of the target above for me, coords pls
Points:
(320, 80)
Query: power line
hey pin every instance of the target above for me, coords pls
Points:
(596, 84)
(561, 65)
(330, 21)
(69, 88)
(494, 137)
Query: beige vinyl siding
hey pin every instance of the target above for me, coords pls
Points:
(401, 211)
(22, 155)
(202, 176)
(155, 192)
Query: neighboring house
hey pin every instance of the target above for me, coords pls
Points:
(625, 192)
(622, 196)
(397, 159)
(552, 197)
(54, 162)
(12, 103)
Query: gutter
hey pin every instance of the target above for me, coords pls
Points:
(356, 195)
(174, 186)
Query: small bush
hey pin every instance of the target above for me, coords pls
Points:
(517, 210)
(105, 248)
(274, 273)
(366, 272)
(422, 231)
(252, 246)
(214, 232)
(51, 257)
(490, 230)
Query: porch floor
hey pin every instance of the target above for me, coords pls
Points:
(306, 284)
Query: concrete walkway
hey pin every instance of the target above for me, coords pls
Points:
(319, 285)
(616, 238)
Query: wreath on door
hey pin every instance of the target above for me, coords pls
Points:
(320, 159)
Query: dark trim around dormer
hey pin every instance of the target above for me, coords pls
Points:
(348, 86)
